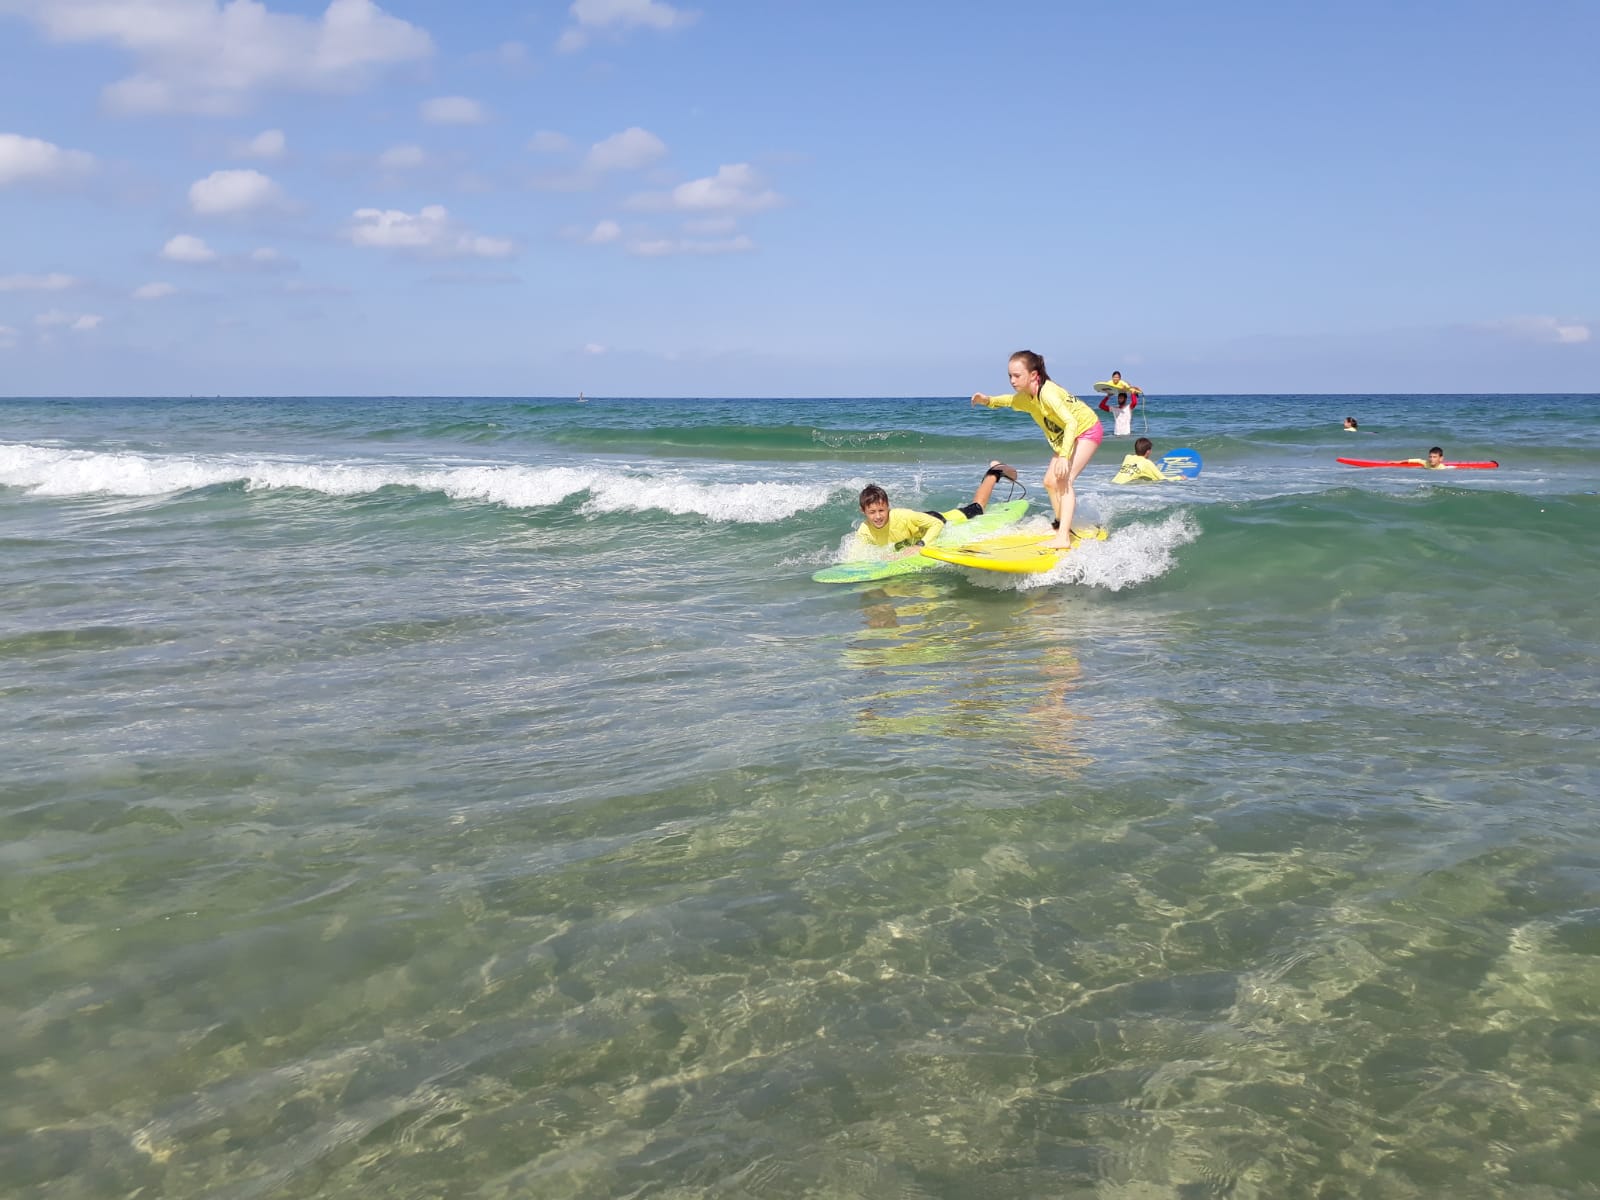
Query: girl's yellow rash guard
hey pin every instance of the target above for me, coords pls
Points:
(1059, 413)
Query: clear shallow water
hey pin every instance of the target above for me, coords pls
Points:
(442, 797)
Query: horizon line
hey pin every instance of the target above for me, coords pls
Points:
(700, 396)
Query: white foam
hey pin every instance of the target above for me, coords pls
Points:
(759, 503)
(820, 558)
(514, 487)
(335, 479)
(1128, 557)
(838, 438)
(46, 471)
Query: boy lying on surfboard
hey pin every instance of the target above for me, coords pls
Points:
(906, 529)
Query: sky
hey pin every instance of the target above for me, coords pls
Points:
(796, 197)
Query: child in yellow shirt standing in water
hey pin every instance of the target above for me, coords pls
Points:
(904, 529)
(1137, 466)
(1069, 425)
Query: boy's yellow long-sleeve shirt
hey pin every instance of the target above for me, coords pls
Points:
(904, 526)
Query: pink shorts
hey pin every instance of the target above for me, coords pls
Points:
(1095, 433)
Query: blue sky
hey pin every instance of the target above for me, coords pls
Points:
(775, 197)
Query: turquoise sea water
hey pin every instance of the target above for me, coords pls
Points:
(447, 797)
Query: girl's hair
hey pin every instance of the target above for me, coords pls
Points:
(1031, 362)
(1143, 446)
(873, 494)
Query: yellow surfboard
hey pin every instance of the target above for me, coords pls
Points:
(1105, 385)
(1013, 553)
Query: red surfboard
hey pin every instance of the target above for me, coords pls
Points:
(1416, 462)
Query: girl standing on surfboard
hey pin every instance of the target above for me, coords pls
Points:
(1069, 425)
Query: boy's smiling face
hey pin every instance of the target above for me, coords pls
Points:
(876, 512)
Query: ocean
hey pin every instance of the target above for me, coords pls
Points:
(416, 797)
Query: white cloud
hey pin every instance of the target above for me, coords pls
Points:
(8, 337)
(625, 151)
(224, 192)
(630, 150)
(402, 158)
(53, 282)
(662, 247)
(736, 187)
(26, 159)
(453, 110)
(512, 54)
(81, 323)
(546, 142)
(1548, 330)
(733, 187)
(186, 248)
(193, 251)
(430, 232)
(153, 291)
(605, 231)
(268, 144)
(593, 348)
(203, 56)
(617, 16)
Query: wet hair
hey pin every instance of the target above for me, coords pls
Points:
(1435, 450)
(1031, 362)
(1351, 421)
(872, 494)
(1143, 446)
